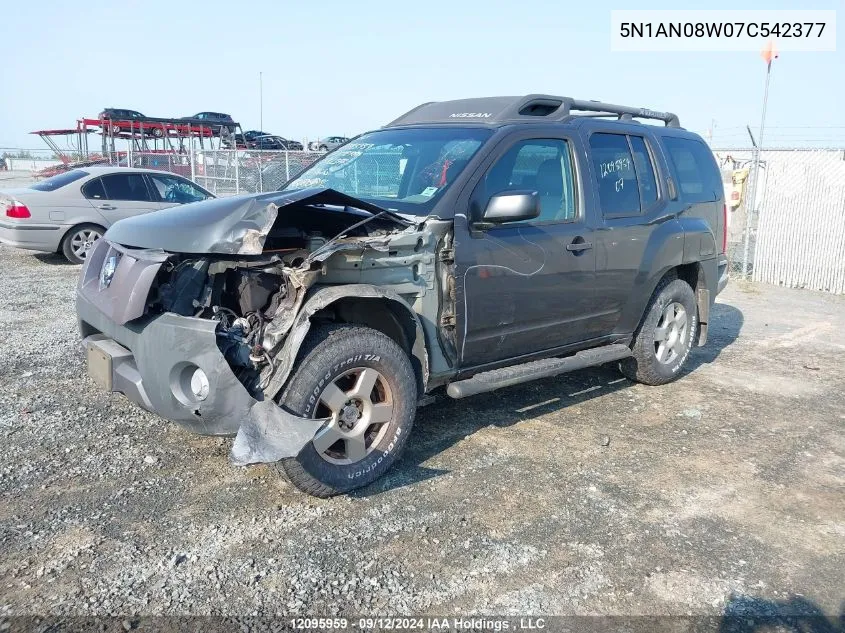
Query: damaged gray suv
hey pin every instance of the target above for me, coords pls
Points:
(469, 245)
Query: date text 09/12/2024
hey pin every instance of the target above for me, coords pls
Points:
(420, 624)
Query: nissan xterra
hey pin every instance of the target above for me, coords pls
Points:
(468, 245)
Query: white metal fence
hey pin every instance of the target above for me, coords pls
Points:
(797, 230)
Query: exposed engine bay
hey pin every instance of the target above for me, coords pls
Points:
(255, 298)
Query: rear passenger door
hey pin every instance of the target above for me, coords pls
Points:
(121, 195)
(626, 180)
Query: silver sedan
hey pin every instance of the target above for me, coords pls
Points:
(69, 212)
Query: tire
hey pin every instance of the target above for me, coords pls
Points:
(158, 132)
(78, 241)
(665, 336)
(323, 148)
(345, 356)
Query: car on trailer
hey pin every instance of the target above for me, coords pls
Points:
(121, 120)
(467, 246)
(213, 119)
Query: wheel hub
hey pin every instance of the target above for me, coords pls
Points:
(349, 415)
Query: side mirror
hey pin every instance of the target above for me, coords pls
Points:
(511, 206)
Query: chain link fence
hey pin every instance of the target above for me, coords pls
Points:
(230, 172)
(793, 232)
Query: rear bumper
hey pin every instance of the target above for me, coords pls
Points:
(36, 237)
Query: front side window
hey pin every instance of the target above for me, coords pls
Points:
(403, 169)
(541, 165)
(173, 189)
(613, 164)
(129, 187)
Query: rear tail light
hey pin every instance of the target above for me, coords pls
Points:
(15, 209)
(724, 228)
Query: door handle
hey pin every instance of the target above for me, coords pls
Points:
(579, 246)
(107, 207)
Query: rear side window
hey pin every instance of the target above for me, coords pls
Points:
(126, 187)
(93, 189)
(60, 180)
(698, 177)
(645, 171)
(619, 193)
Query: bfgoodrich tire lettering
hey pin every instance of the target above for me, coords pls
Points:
(340, 358)
(671, 315)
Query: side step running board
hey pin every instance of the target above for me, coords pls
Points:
(516, 374)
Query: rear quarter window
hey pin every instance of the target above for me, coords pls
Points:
(695, 168)
(59, 181)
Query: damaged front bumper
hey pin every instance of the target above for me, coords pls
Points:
(152, 361)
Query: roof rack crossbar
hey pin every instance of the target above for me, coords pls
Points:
(670, 119)
(534, 106)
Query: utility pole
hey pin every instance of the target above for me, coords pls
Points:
(260, 101)
(769, 53)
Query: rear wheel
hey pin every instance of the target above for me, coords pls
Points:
(79, 241)
(363, 383)
(665, 336)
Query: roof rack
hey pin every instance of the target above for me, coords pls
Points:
(495, 110)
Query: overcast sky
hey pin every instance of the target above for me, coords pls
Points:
(339, 67)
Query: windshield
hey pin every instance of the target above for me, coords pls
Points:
(60, 180)
(406, 170)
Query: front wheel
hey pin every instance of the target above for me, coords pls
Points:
(363, 383)
(665, 336)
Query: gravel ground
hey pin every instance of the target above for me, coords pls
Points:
(584, 494)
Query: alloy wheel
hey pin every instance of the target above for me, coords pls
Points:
(670, 335)
(359, 404)
(83, 241)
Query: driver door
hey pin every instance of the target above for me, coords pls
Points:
(527, 286)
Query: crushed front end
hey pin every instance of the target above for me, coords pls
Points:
(194, 337)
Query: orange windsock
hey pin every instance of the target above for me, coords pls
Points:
(769, 52)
